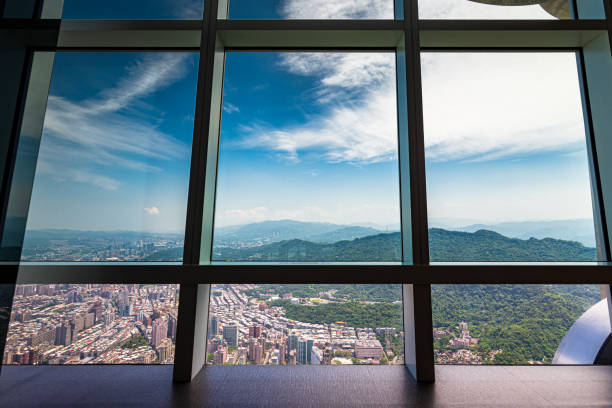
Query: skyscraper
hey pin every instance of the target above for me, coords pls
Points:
(159, 331)
(213, 330)
(230, 334)
(293, 341)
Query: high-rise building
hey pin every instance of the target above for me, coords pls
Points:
(221, 355)
(304, 350)
(259, 354)
(230, 334)
(293, 341)
(159, 331)
(255, 331)
(172, 324)
(63, 335)
(213, 329)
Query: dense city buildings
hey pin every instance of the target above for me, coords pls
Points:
(256, 328)
(93, 324)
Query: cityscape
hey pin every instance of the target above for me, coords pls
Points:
(92, 324)
(245, 329)
(277, 324)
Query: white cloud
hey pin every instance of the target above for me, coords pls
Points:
(487, 106)
(477, 106)
(230, 108)
(152, 211)
(187, 9)
(360, 126)
(104, 131)
(337, 9)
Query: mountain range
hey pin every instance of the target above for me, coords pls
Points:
(445, 246)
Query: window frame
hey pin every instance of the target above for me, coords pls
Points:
(215, 34)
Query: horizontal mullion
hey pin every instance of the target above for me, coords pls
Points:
(509, 34)
(312, 273)
(130, 34)
(270, 34)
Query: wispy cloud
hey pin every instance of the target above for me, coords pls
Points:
(187, 9)
(472, 113)
(104, 131)
(152, 210)
(230, 107)
(337, 9)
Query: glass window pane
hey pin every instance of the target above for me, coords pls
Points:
(516, 324)
(133, 9)
(113, 167)
(305, 325)
(308, 165)
(511, 9)
(311, 9)
(93, 324)
(506, 159)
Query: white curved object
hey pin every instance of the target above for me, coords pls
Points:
(585, 338)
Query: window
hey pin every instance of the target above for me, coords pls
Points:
(308, 167)
(508, 180)
(507, 170)
(113, 166)
(303, 141)
(305, 325)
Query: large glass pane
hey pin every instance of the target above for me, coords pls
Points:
(311, 9)
(507, 180)
(93, 324)
(308, 165)
(305, 325)
(133, 9)
(511, 9)
(518, 324)
(113, 168)
(507, 167)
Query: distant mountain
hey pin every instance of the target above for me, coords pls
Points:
(581, 230)
(342, 234)
(267, 232)
(381, 247)
(445, 246)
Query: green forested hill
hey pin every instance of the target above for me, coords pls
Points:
(489, 246)
(445, 246)
(526, 321)
(365, 292)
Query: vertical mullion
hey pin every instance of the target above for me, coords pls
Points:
(419, 356)
(608, 11)
(190, 352)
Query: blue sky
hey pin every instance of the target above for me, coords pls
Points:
(309, 136)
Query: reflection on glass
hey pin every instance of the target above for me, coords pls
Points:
(92, 324)
(495, 9)
(305, 325)
(311, 9)
(308, 166)
(113, 169)
(133, 9)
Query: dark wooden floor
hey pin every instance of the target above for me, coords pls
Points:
(312, 386)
